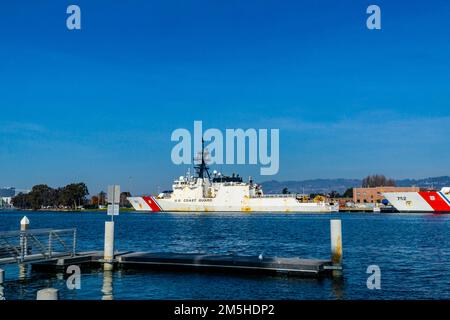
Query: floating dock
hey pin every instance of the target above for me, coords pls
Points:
(85, 260)
(226, 263)
(196, 262)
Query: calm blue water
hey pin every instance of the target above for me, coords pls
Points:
(413, 252)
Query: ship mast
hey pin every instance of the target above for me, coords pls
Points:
(202, 167)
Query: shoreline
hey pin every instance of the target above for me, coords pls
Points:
(65, 210)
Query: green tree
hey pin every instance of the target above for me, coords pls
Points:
(348, 193)
(377, 180)
(40, 196)
(124, 203)
(74, 195)
(334, 194)
(21, 201)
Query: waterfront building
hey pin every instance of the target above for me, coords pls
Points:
(375, 195)
(7, 192)
(5, 202)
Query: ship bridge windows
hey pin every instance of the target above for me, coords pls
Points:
(233, 178)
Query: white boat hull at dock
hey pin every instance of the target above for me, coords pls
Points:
(262, 204)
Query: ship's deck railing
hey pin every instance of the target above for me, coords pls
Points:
(38, 244)
(293, 195)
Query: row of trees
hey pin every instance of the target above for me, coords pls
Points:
(72, 196)
(333, 194)
(100, 200)
(377, 180)
(43, 196)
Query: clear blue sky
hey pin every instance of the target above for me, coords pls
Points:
(98, 105)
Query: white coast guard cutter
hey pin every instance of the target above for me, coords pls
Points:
(217, 193)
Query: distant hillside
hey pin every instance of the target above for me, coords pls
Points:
(340, 185)
(311, 186)
(435, 183)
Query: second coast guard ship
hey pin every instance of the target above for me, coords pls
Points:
(426, 201)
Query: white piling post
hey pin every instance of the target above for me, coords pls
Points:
(24, 224)
(336, 244)
(109, 245)
(47, 294)
(2, 279)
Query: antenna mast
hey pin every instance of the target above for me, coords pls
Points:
(202, 167)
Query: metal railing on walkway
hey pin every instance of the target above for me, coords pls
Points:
(34, 245)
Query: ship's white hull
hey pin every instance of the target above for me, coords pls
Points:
(222, 194)
(423, 201)
(263, 204)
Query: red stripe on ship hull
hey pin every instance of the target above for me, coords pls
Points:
(152, 204)
(435, 200)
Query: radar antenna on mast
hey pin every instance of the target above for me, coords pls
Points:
(201, 167)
